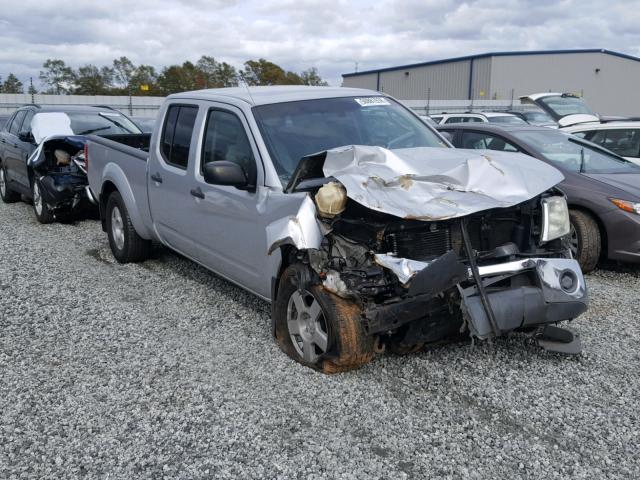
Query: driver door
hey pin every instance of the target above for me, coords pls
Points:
(230, 228)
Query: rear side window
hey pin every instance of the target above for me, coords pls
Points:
(624, 142)
(177, 133)
(17, 122)
(477, 140)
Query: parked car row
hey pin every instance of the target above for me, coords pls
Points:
(357, 220)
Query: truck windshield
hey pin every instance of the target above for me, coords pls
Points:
(294, 130)
(104, 123)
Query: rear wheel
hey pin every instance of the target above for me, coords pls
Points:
(40, 207)
(7, 195)
(126, 245)
(319, 329)
(586, 243)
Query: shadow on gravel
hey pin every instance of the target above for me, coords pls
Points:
(610, 266)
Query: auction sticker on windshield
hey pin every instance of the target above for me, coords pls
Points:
(371, 101)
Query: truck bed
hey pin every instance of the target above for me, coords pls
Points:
(120, 162)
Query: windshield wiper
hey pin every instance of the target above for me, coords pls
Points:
(116, 123)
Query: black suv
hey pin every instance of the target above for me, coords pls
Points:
(41, 154)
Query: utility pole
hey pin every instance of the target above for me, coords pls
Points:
(31, 90)
(428, 100)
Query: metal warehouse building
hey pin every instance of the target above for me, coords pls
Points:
(608, 80)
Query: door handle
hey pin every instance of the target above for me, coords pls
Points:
(156, 178)
(196, 192)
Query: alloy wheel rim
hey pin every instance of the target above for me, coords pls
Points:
(117, 228)
(573, 241)
(37, 198)
(307, 326)
(3, 187)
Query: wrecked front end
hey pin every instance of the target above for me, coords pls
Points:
(473, 247)
(59, 167)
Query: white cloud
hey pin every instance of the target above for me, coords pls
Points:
(297, 34)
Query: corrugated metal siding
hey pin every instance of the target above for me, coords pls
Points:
(611, 91)
(369, 81)
(481, 79)
(447, 80)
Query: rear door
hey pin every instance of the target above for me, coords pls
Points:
(169, 182)
(226, 222)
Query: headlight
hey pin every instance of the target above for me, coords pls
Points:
(555, 218)
(627, 206)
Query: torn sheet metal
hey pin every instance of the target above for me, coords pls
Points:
(437, 183)
(301, 230)
(49, 124)
(404, 268)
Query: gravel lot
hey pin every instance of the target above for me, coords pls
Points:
(163, 370)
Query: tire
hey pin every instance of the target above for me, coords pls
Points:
(7, 195)
(345, 347)
(126, 245)
(40, 207)
(586, 244)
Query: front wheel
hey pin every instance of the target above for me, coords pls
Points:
(126, 245)
(317, 328)
(43, 213)
(586, 243)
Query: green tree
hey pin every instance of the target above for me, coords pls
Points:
(180, 78)
(12, 85)
(57, 75)
(311, 77)
(216, 74)
(91, 80)
(263, 72)
(123, 71)
(144, 81)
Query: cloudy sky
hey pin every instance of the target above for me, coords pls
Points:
(331, 35)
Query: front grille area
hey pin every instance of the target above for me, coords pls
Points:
(419, 243)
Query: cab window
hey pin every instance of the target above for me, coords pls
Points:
(226, 140)
(177, 133)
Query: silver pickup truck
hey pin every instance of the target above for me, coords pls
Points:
(358, 222)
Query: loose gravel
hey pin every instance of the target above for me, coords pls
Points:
(163, 370)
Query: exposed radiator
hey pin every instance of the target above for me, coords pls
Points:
(423, 243)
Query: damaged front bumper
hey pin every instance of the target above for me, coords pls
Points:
(557, 293)
(522, 294)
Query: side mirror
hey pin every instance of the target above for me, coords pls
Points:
(25, 136)
(225, 173)
(447, 136)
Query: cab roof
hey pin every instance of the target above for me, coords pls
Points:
(274, 94)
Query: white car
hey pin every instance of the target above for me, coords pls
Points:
(491, 117)
(565, 108)
(622, 138)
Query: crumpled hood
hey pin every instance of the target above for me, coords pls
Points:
(627, 182)
(437, 183)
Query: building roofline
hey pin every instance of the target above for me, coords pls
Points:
(492, 54)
